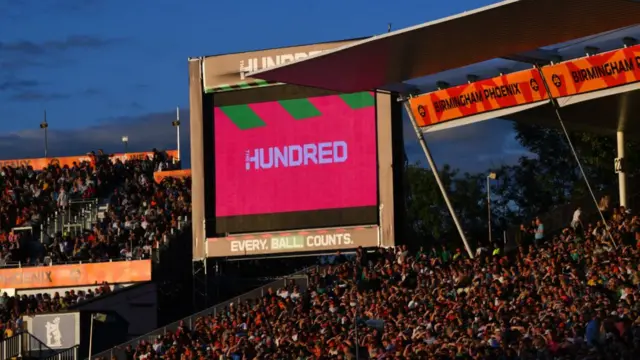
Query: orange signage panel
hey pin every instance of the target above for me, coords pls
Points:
(597, 72)
(519, 88)
(158, 176)
(39, 277)
(42, 163)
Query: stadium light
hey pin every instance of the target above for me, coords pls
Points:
(629, 41)
(590, 50)
(176, 124)
(442, 85)
(125, 141)
(556, 59)
(45, 125)
(471, 78)
(491, 176)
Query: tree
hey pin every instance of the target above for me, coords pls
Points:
(533, 187)
(427, 213)
(558, 170)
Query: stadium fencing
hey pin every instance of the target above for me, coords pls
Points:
(300, 279)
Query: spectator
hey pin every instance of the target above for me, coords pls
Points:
(570, 297)
(141, 217)
(539, 232)
(576, 222)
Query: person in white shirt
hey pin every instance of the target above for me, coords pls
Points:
(63, 199)
(576, 222)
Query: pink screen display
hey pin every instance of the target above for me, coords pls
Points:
(295, 155)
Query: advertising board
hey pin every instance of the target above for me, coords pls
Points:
(306, 154)
(42, 163)
(484, 96)
(38, 277)
(158, 176)
(602, 71)
(57, 331)
(316, 241)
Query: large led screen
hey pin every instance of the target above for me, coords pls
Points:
(295, 156)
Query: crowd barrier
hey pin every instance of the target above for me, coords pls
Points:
(24, 345)
(300, 278)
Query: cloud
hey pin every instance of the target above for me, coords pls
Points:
(17, 84)
(19, 63)
(145, 133)
(35, 96)
(91, 92)
(471, 148)
(26, 47)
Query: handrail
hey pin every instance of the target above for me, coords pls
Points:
(65, 354)
(11, 346)
(22, 344)
(256, 293)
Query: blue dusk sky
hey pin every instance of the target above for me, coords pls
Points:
(104, 69)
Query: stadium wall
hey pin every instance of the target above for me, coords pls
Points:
(137, 305)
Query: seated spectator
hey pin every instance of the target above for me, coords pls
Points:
(572, 296)
(142, 214)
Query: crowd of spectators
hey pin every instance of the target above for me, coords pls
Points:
(141, 215)
(29, 197)
(12, 308)
(573, 295)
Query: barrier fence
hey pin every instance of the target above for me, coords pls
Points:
(24, 345)
(300, 279)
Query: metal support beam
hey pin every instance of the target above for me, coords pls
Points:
(200, 283)
(620, 169)
(535, 57)
(556, 107)
(434, 170)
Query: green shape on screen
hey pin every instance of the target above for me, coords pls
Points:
(300, 109)
(243, 116)
(359, 100)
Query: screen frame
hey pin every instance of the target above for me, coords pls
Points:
(321, 218)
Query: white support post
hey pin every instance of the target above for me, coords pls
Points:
(434, 170)
(178, 132)
(620, 169)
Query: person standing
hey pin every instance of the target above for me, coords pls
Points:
(539, 233)
(604, 205)
(576, 222)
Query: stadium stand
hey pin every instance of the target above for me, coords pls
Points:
(573, 295)
(140, 217)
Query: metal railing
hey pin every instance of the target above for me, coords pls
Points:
(11, 347)
(79, 215)
(300, 279)
(561, 216)
(22, 345)
(556, 219)
(66, 354)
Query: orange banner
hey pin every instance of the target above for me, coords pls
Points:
(40, 277)
(160, 175)
(42, 163)
(597, 72)
(519, 88)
